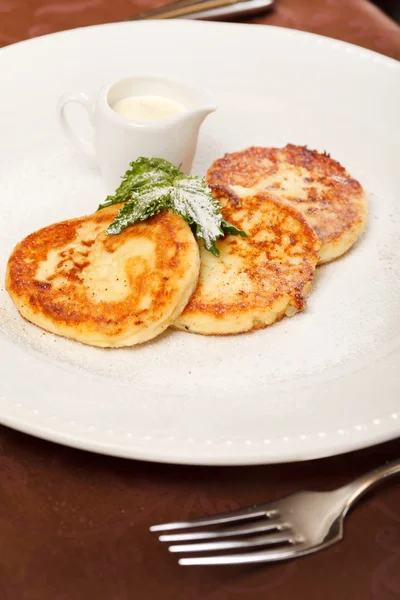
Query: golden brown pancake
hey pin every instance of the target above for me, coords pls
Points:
(105, 290)
(331, 201)
(256, 280)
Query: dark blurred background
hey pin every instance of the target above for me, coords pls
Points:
(390, 7)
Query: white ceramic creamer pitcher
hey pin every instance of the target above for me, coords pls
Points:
(119, 140)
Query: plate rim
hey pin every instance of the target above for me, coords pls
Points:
(208, 460)
(377, 57)
(364, 438)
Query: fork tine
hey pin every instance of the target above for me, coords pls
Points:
(246, 529)
(251, 512)
(268, 555)
(246, 543)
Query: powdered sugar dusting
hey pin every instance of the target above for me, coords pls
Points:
(153, 184)
(193, 198)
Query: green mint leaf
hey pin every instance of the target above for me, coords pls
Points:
(150, 201)
(142, 172)
(153, 184)
(212, 248)
(192, 199)
(232, 230)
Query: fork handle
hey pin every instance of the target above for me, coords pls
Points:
(361, 485)
(183, 8)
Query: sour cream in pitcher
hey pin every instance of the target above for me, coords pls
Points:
(147, 108)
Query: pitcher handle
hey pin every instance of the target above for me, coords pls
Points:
(84, 145)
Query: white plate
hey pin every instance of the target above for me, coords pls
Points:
(324, 382)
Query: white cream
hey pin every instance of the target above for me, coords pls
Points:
(147, 108)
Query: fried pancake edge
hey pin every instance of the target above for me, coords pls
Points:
(225, 318)
(106, 323)
(243, 170)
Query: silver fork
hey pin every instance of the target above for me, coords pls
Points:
(298, 524)
(206, 9)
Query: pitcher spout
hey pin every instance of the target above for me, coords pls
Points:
(196, 116)
(127, 134)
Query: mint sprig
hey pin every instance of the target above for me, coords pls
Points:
(151, 185)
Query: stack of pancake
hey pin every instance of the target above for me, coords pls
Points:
(298, 207)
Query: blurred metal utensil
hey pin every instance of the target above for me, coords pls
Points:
(206, 9)
(249, 8)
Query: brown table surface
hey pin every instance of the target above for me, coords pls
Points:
(356, 21)
(74, 526)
